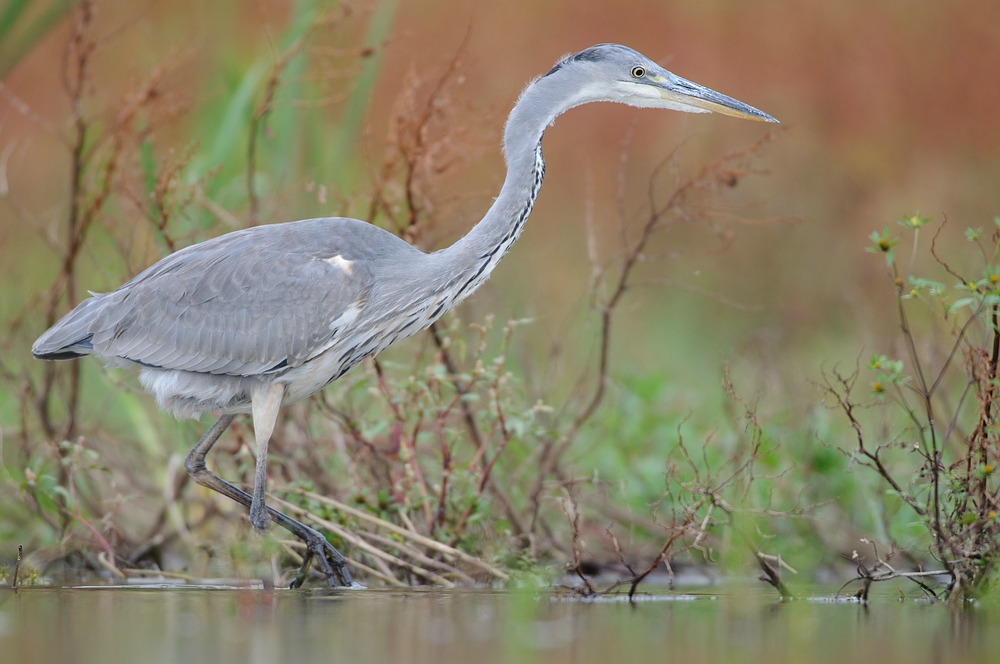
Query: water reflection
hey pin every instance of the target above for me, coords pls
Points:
(110, 625)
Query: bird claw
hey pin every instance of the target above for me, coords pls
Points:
(332, 564)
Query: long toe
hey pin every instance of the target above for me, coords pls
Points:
(344, 572)
(339, 565)
(331, 562)
(300, 578)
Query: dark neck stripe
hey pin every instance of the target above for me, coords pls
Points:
(495, 254)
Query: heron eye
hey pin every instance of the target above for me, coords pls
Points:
(638, 72)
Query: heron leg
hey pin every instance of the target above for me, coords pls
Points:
(333, 565)
(266, 400)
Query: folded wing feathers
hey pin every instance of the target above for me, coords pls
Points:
(238, 305)
(73, 329)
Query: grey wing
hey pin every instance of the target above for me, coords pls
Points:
(70, 337)
(244, 304)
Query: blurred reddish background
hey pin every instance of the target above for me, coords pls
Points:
(888, 108)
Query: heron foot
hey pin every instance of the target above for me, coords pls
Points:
(331, 562)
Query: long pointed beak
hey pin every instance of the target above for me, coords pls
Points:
(687, 93)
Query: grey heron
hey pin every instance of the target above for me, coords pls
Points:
(263, 317)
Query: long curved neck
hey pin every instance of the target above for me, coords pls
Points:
(471, 259)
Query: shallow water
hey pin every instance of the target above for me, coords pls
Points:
(193, 624)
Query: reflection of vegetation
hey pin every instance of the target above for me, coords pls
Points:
(443, 462)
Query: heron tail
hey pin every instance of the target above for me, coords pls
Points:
(71, 336)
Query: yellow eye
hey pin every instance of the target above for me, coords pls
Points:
(638, 72)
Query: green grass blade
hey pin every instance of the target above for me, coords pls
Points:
(11, 11)
(228, 147)
(15, 47)
(281, 155)
(357, 105)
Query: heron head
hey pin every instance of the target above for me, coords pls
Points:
(618, 73)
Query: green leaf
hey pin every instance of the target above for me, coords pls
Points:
(62, 491)
(914, 221)
(963, 302)
(877, 362)
(935, 288)
(882, 244)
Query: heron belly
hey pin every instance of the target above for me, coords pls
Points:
(188, 394)
(306, 380)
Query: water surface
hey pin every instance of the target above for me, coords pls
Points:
(194, 624)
